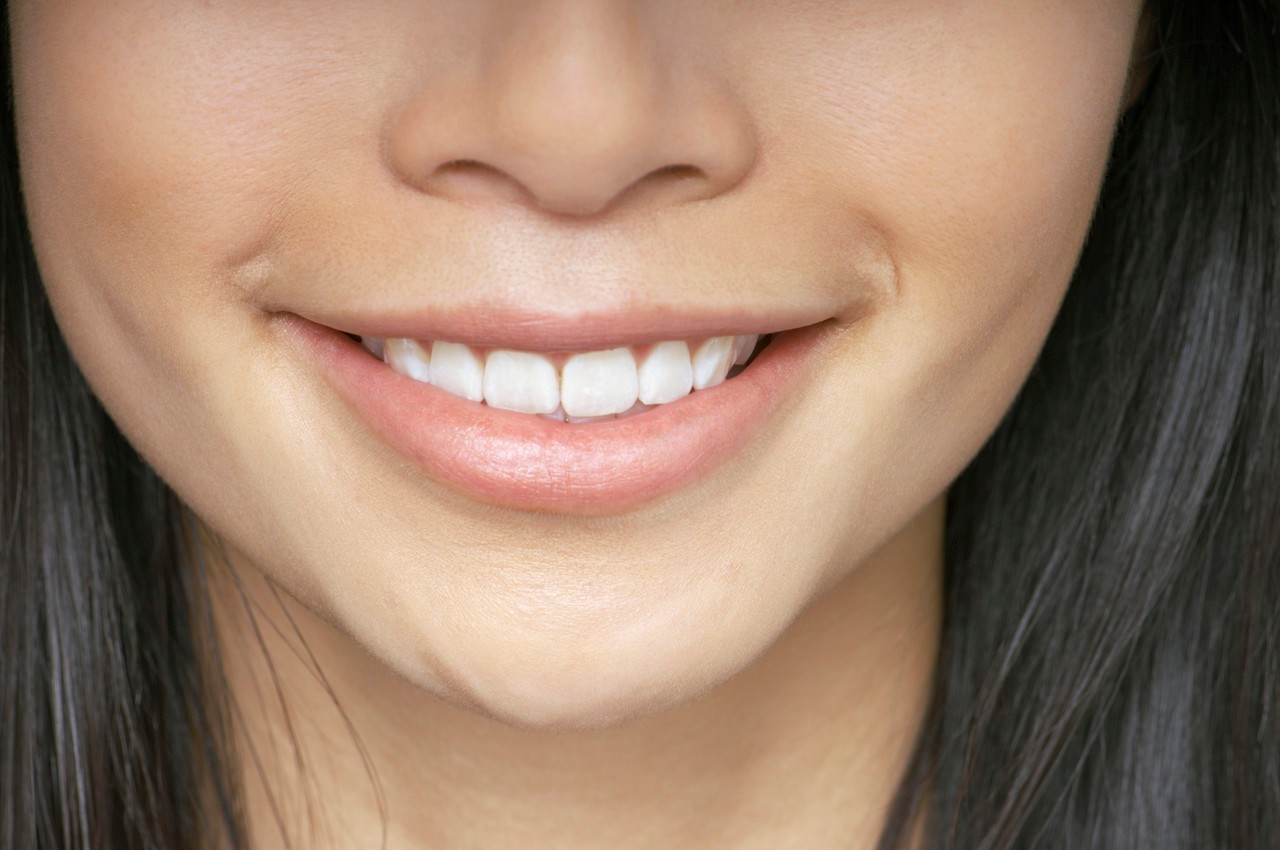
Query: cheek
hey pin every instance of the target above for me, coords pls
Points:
(169, 154)
(995, 195)
(974, 135)
(981, 158)
(160, 174)
(976, 142)
(147, 187)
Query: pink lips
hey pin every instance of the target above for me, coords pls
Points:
(526, 462)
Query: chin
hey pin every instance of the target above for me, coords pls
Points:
(549, 701)
(577, 683)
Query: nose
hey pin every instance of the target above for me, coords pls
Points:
(570, 107)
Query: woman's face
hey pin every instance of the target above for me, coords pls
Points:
(223, 195)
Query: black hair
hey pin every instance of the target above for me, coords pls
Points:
(1110, 667)
(1110, 670)
(113, 730)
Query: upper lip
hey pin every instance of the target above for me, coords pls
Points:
(521, 328)
(525, 285)
(566, 297)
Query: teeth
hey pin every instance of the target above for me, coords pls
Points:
(667, 374)
(599, 383)
(456, 370)
(515, 380)
(587, 387)
(712, 360)
(557, 414)
(408, 357)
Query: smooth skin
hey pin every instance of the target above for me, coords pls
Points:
(743, 663)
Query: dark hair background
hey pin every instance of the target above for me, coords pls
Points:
(1110, 673)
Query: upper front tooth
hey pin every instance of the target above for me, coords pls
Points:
(599, 383)
(456, 369)
(517, 380)
(408, 357)
(591, 384)
(666, 374)
(712, 361)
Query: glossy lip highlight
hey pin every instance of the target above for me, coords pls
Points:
(520, 461)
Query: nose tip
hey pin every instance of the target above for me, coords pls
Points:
(573, 109)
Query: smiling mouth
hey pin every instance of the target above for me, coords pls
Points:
(560, 427)
(573, 387)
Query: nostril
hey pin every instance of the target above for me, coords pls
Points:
(471, 178)
(465, 165)
(670, 182)
(675, 173)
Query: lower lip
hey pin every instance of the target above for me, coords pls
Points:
(526, 462)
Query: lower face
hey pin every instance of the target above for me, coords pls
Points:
(234, 205)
